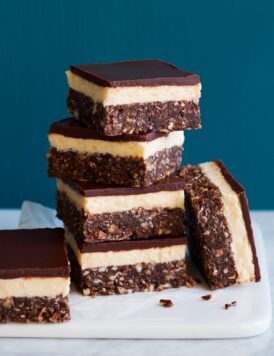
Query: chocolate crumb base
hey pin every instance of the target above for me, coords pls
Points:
(141, 277)
(209, 239)
(114, 120)
(166, 303)
(125, 225)
(108, 169)
(34, 309)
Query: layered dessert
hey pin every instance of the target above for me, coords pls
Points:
(96, 212)
(34, 276)
(80, 153)
(122, 267)
(219, 227)
(134, 97)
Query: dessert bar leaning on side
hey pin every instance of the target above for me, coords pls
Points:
(122, 267)
(81, 153)
(97, 212)
(134, 97)
(34, 276)
(218, 223)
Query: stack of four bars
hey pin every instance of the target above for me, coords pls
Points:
(121, 204)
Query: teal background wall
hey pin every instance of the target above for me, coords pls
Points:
(229, 43)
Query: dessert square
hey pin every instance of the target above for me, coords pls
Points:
(80, 153)
(34, 276)
(96, 212)
(134, 97)
(220, 237)
(122, 267)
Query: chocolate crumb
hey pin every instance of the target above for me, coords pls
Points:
(197, 280)
(167, 303)
(206, 297)
(233, 304)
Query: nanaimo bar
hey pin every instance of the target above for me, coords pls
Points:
(220, 237)
(122, 267)
(80, 153)
(34, 276)
(96, 212)
(134, 97)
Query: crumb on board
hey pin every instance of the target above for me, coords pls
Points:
(167, 303)
(206, 297)
(229, 305)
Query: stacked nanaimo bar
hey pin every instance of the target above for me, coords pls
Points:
(121, 204)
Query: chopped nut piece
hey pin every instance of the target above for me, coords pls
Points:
(167, 303)
(189, 283)
(86, 291)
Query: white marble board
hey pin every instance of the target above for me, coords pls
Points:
(140, 316)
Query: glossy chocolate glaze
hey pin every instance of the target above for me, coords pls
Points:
(147, 72)
(33, 253)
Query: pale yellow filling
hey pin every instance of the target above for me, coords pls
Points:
(240, 245)
(116, 203)
(122, 149)
(34, 287)
(137, 94)
(121, 258)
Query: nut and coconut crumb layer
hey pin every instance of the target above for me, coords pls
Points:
(34, 309)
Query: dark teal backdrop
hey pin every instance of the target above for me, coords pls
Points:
(229, 43)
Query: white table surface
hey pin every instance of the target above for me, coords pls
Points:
(262, 344)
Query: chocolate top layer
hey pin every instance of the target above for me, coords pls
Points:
(128, 245)
(33, 253)
(148, 72)
(73, 128)
(87, 189)
(245, 211)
